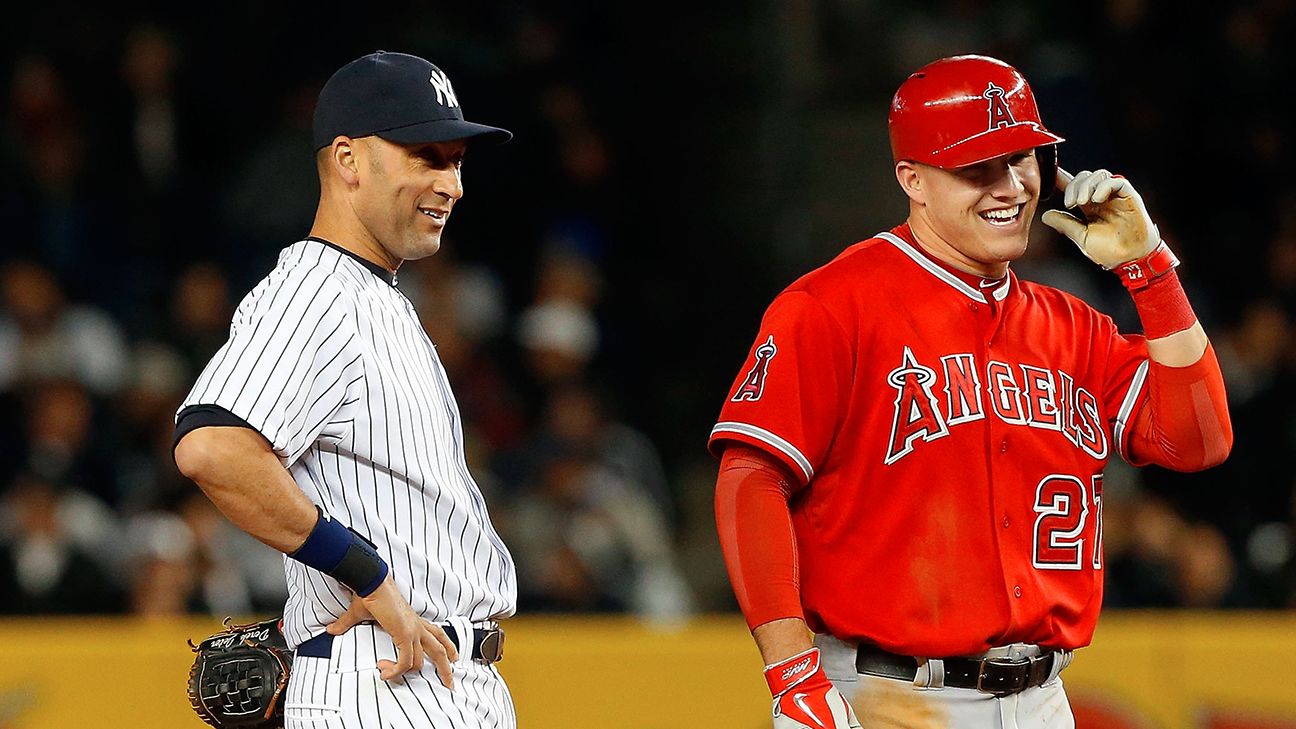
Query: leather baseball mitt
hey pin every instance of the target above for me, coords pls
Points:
(238, 676)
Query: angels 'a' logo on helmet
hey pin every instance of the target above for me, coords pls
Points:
(753, 385)
(1000, 115)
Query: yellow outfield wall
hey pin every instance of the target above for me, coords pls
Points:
(1153, 670)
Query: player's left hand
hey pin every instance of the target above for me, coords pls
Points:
(413, 636)
(1116, 227)
(804, 698)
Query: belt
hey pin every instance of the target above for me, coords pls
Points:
(487, 644)
(1001, 676)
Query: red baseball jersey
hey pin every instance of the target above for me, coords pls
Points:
(950, 438)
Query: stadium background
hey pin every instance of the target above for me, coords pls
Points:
(674, 167)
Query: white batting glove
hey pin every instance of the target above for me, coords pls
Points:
(803, 696)
(1116, 227)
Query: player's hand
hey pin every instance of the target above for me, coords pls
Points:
(413, 636)
(804, 698)
(1116, 227)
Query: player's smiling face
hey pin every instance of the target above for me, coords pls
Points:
(407, 193)
(977, 217)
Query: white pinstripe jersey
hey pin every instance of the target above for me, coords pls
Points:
(330, 363)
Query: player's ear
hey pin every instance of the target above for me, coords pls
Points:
(343, 158)
(907, 174)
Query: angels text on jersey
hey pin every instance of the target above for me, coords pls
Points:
(931, 400)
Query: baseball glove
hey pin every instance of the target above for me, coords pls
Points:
(239, 675)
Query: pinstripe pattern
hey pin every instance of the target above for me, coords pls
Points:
(330, 363)
(345, 692)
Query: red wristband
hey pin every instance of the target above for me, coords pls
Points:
(1163, 306)
(1139, 272)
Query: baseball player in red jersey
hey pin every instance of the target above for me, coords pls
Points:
(910, 490)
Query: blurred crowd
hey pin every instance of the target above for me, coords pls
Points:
(144, 192)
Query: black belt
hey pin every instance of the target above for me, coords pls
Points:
(488, 644)
(998, 676)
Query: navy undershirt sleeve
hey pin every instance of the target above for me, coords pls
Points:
(202, 416)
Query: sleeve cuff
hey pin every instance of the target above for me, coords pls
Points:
(194, 417)
(1121, 429)
(766, 441)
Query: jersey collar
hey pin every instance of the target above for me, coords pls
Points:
(970, 285)
(374, 268)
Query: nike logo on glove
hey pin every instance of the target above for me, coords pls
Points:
(799, 700)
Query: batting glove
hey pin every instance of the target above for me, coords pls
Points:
(1116, 227)
(803, 697)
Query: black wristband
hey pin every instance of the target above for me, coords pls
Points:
(361, 568)
(342, 554)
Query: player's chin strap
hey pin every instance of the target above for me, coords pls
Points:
(1047, 157)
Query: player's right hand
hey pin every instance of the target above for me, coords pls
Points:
(803, 696)
(413, 636)
(1115, 228)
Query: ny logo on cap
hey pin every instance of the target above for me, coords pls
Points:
(1000, 116)
(445, 93)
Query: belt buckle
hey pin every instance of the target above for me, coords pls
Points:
(492, 645)
(983, 672)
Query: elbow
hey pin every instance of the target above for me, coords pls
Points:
(1217, 449)
(193, 456)
(1213, 450)
(207, 456)
(219, 459)
(1217, 442)
(1208, 460)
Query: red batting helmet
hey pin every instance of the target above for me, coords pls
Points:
(967, 109)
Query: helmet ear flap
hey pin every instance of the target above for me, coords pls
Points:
(1048, 165)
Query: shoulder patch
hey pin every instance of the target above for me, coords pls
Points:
(753, 385)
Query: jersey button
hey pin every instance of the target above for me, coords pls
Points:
(1017, 591)
(971, 306)
(1005, 522)
(1003, 447)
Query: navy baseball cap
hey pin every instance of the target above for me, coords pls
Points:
(398, 97)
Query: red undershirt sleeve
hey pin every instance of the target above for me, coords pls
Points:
(1184, 424)
(756, 537)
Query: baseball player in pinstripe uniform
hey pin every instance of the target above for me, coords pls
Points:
(326, 428)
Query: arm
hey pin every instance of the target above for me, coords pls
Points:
(779, 640)
(759, 546)
(1180, 349)
(236, 468)
(1184, 423)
